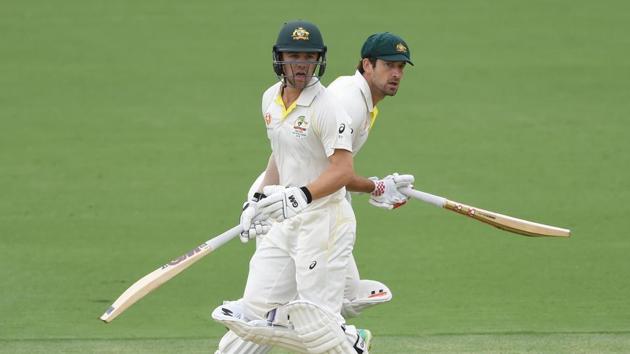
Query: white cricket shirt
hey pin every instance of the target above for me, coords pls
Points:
(353, 93)
(305, 134)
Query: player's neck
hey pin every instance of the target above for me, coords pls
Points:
(377, 96)
(289, 95)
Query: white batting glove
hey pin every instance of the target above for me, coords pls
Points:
(272, 189)
(386, 194)
(252, 225)
(284, 204)
(256, 228)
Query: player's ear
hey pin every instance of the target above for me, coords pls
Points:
(368, 66)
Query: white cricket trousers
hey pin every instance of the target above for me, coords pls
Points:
(304, 257)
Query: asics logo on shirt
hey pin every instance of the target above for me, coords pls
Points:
(342, 127)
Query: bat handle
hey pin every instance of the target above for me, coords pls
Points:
(425, 197)
(220, 240)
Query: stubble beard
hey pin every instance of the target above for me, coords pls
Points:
(290, 82)
(389, 92)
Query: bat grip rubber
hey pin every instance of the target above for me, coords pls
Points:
(425, 197)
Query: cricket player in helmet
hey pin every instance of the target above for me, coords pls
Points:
(296, 280)
(299, 37)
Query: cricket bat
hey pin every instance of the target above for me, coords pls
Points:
(166, 272)
(504, 222)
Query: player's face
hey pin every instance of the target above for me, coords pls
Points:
(299, 68)
(386, 76)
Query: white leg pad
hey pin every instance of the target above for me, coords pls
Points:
(261, 332)
(300, 326)
(318, 328)
(233, 344)
(369, 293)
(359, 344)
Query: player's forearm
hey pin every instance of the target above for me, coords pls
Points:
(338, 174)
(360, 184)
(271, 174)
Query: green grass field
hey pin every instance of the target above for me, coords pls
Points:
(130, 132)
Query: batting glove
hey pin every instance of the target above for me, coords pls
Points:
(285, 203)
(386, 194)
(251, 225)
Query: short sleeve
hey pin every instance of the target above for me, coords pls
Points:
(349, 97)
(334, 126)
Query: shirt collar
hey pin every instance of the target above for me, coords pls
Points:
(308, 94)
(365, 90)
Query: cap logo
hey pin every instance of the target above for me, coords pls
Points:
(300, 34)
(400, 48)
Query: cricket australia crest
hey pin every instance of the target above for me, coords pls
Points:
(400, 48)
(300, 34)
(300, 127)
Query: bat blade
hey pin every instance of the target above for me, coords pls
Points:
(153, 280)
(504, 222)
(508, 223)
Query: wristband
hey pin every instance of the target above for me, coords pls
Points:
(307, 194)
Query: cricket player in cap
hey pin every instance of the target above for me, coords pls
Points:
(294, 291)
(379, 73)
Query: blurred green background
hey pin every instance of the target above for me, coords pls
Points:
(130, 132)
